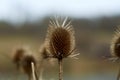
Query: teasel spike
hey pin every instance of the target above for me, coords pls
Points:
(52, 22)
(68, 24)
(57, 22)
(64, 22)
(117, 31)
(74, 54)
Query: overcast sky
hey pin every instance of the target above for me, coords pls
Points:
(19, 10)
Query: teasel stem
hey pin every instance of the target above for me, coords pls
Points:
(34, 75)
(33, 71)
(118, 76)
(60, 62)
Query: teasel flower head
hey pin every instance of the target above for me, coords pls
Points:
(45, 56)
(43, 52)
(26, 64)
(115, 44)
(60, 40)
(24, 60)
(44, 59)
(18, 55)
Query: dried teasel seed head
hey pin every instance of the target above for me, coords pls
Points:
(18, 55)
(60, 40)
(26, 64)
(45, 55)
(115, 44)
(43, 52)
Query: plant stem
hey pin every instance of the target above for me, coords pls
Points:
(34, 74)
(60, 69)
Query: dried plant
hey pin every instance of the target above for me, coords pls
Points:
(60, 41)
(18, 55)
(115, 48)
(24, 62)
(115, 45)
(44, 57)
(43, 52)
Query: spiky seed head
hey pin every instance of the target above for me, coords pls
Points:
(45, 56)
(22, 58)
(115, 43)
(18, 55)
(26, 64)
(43, 52)
(60, 40)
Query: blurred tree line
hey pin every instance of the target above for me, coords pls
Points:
(102, 23)
(93, 35)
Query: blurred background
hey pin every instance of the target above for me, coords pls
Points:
(25, 22)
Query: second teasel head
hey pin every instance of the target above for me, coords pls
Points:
(115, 44)
(26, 64)
(43, 52)
(22, 58)
(18, 55)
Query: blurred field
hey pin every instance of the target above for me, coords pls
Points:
(92, 42)
(86, 68)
